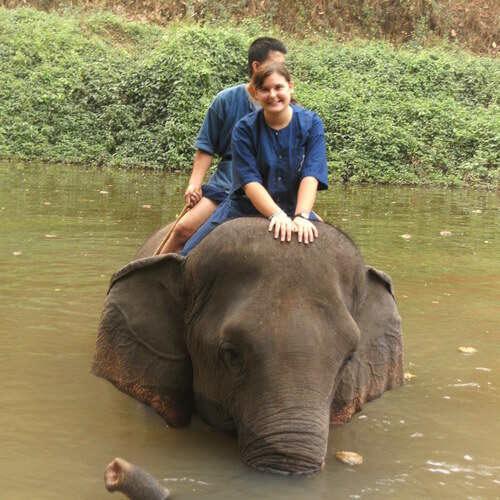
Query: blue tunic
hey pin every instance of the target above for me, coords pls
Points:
(277, 159)
(214, 136)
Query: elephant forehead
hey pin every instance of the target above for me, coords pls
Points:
(257, 307)
(246, 242)
(262, 259)
(242, 259)
(253, 284)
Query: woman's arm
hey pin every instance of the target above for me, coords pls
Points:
(263, 202)
(307, 194)
(247, 177)
(314, 177)
(305, 229)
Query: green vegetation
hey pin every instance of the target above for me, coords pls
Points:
(404, 117)
(471, 24)
(102, 90)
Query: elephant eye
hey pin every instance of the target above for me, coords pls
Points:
(231, 358)
(347, 360)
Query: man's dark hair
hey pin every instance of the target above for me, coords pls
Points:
(260, 48)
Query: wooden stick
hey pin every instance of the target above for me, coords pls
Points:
(171, 230)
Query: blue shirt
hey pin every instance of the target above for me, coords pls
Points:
(279, 159)
(214, 136)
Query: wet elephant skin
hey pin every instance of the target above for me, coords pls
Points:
(268, 341)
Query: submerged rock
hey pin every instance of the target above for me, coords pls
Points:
(349, 457)
(467, 350)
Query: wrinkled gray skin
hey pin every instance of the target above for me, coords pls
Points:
(132, 481)
(268, 341)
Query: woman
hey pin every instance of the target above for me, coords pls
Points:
(279, 162)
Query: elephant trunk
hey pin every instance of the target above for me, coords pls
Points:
(133, 482)
(285, 444)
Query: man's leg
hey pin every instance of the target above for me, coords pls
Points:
(188, 225)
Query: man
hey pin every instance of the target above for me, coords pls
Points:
(214, 137)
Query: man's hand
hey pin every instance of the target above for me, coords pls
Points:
(192, 195)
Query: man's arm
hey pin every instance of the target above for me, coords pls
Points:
(201, 164)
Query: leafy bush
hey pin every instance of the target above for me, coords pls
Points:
(103, 90)
(404, 116)
(175, 85)
(57, 83)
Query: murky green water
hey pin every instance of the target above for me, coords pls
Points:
(63, 231)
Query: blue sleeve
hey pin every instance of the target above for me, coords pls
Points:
(210, 131)
(315, 164)
(244, 152)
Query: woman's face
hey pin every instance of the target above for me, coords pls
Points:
(275, 93)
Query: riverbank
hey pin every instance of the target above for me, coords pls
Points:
(98, 89)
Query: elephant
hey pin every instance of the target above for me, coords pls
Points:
(135, 483)
(268, 341)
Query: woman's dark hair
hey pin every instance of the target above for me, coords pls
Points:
(260, 48)
(267, 69)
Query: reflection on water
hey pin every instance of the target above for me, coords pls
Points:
(65, 230)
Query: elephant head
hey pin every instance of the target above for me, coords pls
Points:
(268, 341)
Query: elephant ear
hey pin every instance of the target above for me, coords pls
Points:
(377, 365)
(141, 343)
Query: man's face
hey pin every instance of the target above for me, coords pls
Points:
(276, 56)
(273, 56)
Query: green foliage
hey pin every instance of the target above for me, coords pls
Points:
(103, 90)
(58, 84)
(174, 87)
(403, 117)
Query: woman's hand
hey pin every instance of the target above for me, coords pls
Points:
(192, 195)
(305, 230)
(282, 224)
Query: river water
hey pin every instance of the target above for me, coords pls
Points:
(65, 230)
